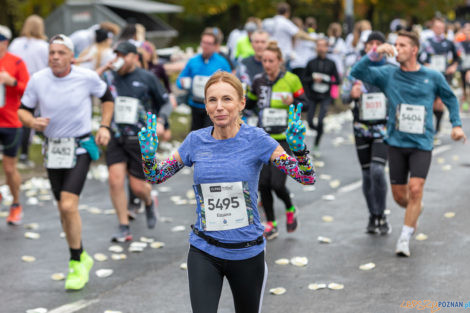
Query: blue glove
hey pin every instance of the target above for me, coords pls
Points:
(295, 132)
(148, 137)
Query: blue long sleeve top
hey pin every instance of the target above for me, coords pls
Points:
(197, 65)
(419, 87)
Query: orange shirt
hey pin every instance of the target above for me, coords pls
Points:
(17, 69)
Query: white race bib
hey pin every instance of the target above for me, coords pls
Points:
(280, 95)
(199, 83)
(438, 63)
(60, 153)
(466, 61)
(320, 87)
(125, 110)
(411, 118)
(2, 95)
(373, 106)
(224, 206)
(274, 117)
(252, 120)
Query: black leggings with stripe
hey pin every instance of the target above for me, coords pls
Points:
(206, 273)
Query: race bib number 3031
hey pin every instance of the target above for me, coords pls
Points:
(224, 206)
(373, 106)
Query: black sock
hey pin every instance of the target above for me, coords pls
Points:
(438, 115)
(124, 226)
(75, 253)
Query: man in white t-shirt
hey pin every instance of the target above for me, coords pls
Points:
(62, 92)
(285, 31)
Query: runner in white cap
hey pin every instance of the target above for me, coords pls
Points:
(62, 92)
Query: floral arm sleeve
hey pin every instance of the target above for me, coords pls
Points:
(299, 168)
(157, 172)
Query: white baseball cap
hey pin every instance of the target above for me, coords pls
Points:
(5, 33)
(61, 39)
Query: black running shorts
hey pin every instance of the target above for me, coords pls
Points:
(126, 149)
(404, 162)
(10, 139)
(71, 180)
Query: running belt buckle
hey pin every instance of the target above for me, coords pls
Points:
(217, 243)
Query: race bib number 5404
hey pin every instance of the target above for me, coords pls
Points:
(411, 118)
(224, 206)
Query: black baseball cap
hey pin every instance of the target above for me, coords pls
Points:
(125, 48)
(376, 35)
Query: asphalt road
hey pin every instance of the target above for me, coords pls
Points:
(152, 281)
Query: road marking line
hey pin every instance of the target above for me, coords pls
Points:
(350, 187)
(441, 149)
(74, 306)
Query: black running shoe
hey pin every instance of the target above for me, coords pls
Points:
(372, 227)
(384, 226)
(150, 215)
(123, 234)
(132, 210)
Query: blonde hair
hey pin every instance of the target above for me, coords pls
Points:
(359, 27)
(33, 27)
(334, 30)
(140, 32)
(232, 80)
(273, 47)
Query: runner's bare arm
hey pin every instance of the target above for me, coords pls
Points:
(27, 119)
(107, 108)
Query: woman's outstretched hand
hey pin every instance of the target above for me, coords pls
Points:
(295, 132)
(148, 137)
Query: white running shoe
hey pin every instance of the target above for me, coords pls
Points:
(403, 247)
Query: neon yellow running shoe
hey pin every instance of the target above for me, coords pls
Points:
(77, 276)
(465, 106)
(87, 261)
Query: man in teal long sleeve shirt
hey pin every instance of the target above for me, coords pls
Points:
(411, 90)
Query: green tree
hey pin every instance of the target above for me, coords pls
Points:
(14, 12)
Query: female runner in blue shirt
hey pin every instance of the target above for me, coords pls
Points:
(227, 238)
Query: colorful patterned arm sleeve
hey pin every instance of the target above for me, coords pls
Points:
(299, 168)
(157, 172)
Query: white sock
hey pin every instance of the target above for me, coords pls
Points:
(406, 232)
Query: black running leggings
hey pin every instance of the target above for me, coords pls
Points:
(206, 273)
(324, 104)
(272, 179)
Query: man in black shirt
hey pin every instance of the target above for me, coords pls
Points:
(318, 78)
(136, 92)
